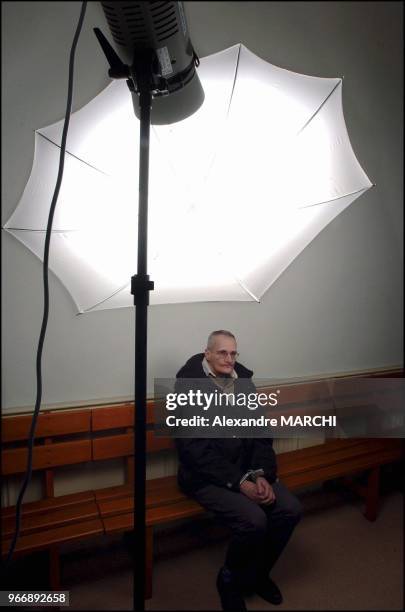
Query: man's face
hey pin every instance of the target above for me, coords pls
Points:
(222, 355)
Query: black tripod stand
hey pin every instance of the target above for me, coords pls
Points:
(140, 287)
(139, 79)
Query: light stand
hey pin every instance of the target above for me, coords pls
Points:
(140, 287)
(141, 75)
(162, 67)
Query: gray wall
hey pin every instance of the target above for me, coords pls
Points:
(337, 308)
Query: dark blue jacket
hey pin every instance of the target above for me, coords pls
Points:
(220, 461)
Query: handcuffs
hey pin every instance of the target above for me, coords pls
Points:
(252, 475)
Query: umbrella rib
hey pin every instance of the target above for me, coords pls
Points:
(239, 281)
(227, 114)
(318, 109)
(243, 286)
(72, 154)
(105, 299)
(27, 229)
(234, 80)
(334, 199)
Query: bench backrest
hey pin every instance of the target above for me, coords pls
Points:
(72, 436)
(68, 437)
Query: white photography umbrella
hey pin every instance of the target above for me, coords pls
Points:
(236, 191)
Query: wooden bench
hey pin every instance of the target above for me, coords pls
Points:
(297, 468)
(69, 437)
(103, 433)
(62, 438)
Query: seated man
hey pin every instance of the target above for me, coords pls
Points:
(236, 478)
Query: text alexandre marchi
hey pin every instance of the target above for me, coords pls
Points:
(251, 401)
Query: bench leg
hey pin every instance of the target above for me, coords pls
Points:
(54, 568)
(372, 494)
(149, 562)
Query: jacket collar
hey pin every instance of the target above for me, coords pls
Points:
(193, 368)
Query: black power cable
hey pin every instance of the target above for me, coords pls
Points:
(45, 281)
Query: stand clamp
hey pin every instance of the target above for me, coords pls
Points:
(140, 287)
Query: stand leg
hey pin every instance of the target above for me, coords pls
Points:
(372, 494)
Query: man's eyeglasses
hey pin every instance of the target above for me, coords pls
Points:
(224, 354)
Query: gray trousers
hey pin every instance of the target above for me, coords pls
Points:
(259, 532)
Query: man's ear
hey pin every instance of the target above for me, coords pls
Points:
(206, 353)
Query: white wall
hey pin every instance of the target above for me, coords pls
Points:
(337, 308)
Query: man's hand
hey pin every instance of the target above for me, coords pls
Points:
(250, 490)
(265, 491)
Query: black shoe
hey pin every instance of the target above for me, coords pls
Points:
(268, 590)
(231, 598)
